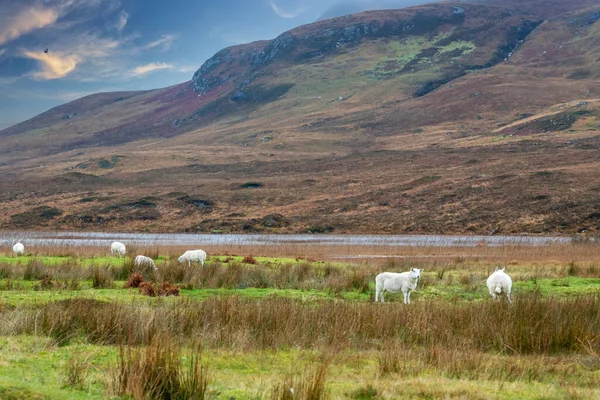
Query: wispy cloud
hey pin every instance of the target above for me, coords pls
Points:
(53, 65)
(122, 20)
(187, 68)
(285, 14)
(164, 42)
(144, 69)
(26, 20)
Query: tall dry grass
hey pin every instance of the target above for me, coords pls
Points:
(232, 275)
(310, 386)
(533, 325)
(161, 370)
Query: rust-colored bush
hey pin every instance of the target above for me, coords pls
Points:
(163, 289)
(249, 260)
(134, 281)
(166, 289)
(147, 289)
(46, 282)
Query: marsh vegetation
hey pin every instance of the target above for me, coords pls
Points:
(289, 322)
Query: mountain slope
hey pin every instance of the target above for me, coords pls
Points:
(443, 118)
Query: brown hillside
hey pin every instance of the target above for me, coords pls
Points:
(445, 118)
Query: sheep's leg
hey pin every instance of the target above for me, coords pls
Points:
(508, 297)
(493, 295)
(405, 297)
(409, 292)
(382, 300)
(376, 294)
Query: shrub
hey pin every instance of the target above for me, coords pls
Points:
(134, 281)
(163, 289)
(249, 260)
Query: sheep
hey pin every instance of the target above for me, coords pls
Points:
(396, 282)
(117, 248)
(498, 283)
(193, 255)
(144, 262)
(18, 249)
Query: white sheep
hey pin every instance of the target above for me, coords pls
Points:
(144, 262)
(117, 248)
(193, 255)
(499, 283)
(393, 282)
(18, 249)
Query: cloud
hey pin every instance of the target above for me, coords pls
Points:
(187, 68)
(285, 14)
(123, 17)
(144, 69)
(25, 21)
(53, 65)
(164, 42)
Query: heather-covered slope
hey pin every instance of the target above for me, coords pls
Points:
(442, 118)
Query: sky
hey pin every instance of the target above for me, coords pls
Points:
(112, 45)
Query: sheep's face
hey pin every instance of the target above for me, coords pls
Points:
(415, 273)
(180, 259)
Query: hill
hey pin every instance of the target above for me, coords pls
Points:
(442, 118)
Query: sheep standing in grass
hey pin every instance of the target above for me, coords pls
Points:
(19, 249)
(143, 263)
(393, 282)
(193, 255)
(118, 249)
(499, 283)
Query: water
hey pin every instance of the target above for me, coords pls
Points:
(101, 239)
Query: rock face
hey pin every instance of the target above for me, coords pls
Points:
(237, 67)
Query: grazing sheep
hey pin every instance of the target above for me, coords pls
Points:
(396, 282)
(144, 262)
(499, 283)
(193, 255)
(18, 249)
(117, 248)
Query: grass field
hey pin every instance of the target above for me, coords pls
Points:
(257, 327)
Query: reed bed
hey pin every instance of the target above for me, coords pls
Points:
(533, 325)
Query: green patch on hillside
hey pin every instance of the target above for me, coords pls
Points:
(418, 54)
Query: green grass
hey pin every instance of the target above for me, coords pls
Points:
(34, 368)
(23, 293)
(54, 260)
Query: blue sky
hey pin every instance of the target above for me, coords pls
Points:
(111, 45)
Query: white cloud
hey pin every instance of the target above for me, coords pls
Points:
(144, 69)
(123, 17)
(285, 14)
(53, 65)
(164, 42)
(25, 21)
(187, 68)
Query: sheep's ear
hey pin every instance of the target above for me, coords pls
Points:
(497, 268)
(502, 269)
(421, 270)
